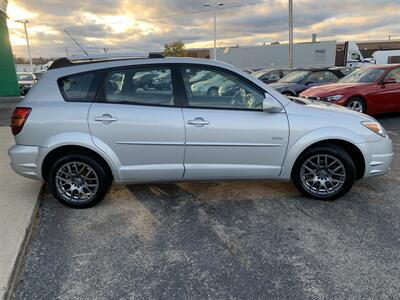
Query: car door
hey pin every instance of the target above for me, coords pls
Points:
(230, 137)
(388, 94)
(141, 128)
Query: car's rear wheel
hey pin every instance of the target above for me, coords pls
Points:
(325, 172)
(356, 104)
(78, 181)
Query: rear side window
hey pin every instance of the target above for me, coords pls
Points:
(142, 86)
(79, 87)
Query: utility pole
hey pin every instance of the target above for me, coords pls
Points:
(27, 41)
(215, 26)
(290, 34)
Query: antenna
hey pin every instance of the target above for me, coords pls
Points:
(70, 36)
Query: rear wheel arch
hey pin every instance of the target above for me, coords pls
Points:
(354, 152)
(61, 151)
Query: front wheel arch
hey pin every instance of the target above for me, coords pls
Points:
(351, 149)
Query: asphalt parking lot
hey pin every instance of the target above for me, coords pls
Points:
(247, 240)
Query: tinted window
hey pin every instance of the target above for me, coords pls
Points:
(271, 76)
(220, 90)
(78, 87)
(394, 74)
(151, 86)
(365, 75)
(322, 76)
(295, 77)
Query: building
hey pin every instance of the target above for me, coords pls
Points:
(8, 78)
(311, 54)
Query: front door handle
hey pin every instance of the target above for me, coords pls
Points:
(106, 119)
(198, 122)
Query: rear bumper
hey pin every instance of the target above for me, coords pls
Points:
(378, 157)
(24, 161)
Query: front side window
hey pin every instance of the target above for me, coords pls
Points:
(148, 86)
(394, 74)
(78, 87)
(219, 90)
(363, 75)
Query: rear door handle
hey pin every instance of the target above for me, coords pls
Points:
(198, 122)
(106, 119)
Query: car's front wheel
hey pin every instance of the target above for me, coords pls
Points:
(78, 181)
(325, 172)
(356, 104)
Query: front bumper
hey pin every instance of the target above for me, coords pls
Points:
(378, 156)
(24, 161)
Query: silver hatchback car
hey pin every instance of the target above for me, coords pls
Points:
(87, 123)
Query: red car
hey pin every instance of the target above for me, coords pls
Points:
(371, 90)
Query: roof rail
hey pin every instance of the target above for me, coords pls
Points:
(87, 59)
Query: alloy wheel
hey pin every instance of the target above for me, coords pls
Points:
(76, 182)
(323, 175)
(356, 105)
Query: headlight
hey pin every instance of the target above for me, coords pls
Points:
(375, 127)
(334, 98)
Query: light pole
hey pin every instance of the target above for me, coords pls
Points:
(27, 40)
(290, 34)
(215, 6)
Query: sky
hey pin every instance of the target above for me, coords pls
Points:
(123, 26)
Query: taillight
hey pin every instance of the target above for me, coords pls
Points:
(18, 119)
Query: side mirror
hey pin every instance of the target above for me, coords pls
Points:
(271, 105)
(389, 80)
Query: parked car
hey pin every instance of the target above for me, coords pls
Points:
(301, 79)
(344, 70)
(78, 133)
(271, 75)
(162, 81)
(371, 90)
(200, 76)
(144, 79)
(25, 81)
(209, 87)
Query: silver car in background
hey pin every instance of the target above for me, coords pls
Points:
(87, 123)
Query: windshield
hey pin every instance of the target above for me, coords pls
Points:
(295, 77)
(363, 75)
(25, 77)
(259, 74)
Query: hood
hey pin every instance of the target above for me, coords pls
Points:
(333, 87)
(328, 107)
(282, 85)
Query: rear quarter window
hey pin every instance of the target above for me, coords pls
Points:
(79, 87)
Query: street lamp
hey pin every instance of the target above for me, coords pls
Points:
(215, 25)
(290, 34)
(27, 40)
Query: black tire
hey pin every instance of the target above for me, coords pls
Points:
(331, 151)
(212, 91)
(359, 101)
(103, 180)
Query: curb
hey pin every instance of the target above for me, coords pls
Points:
(19, 262)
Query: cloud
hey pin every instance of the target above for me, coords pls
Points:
(128, 25)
